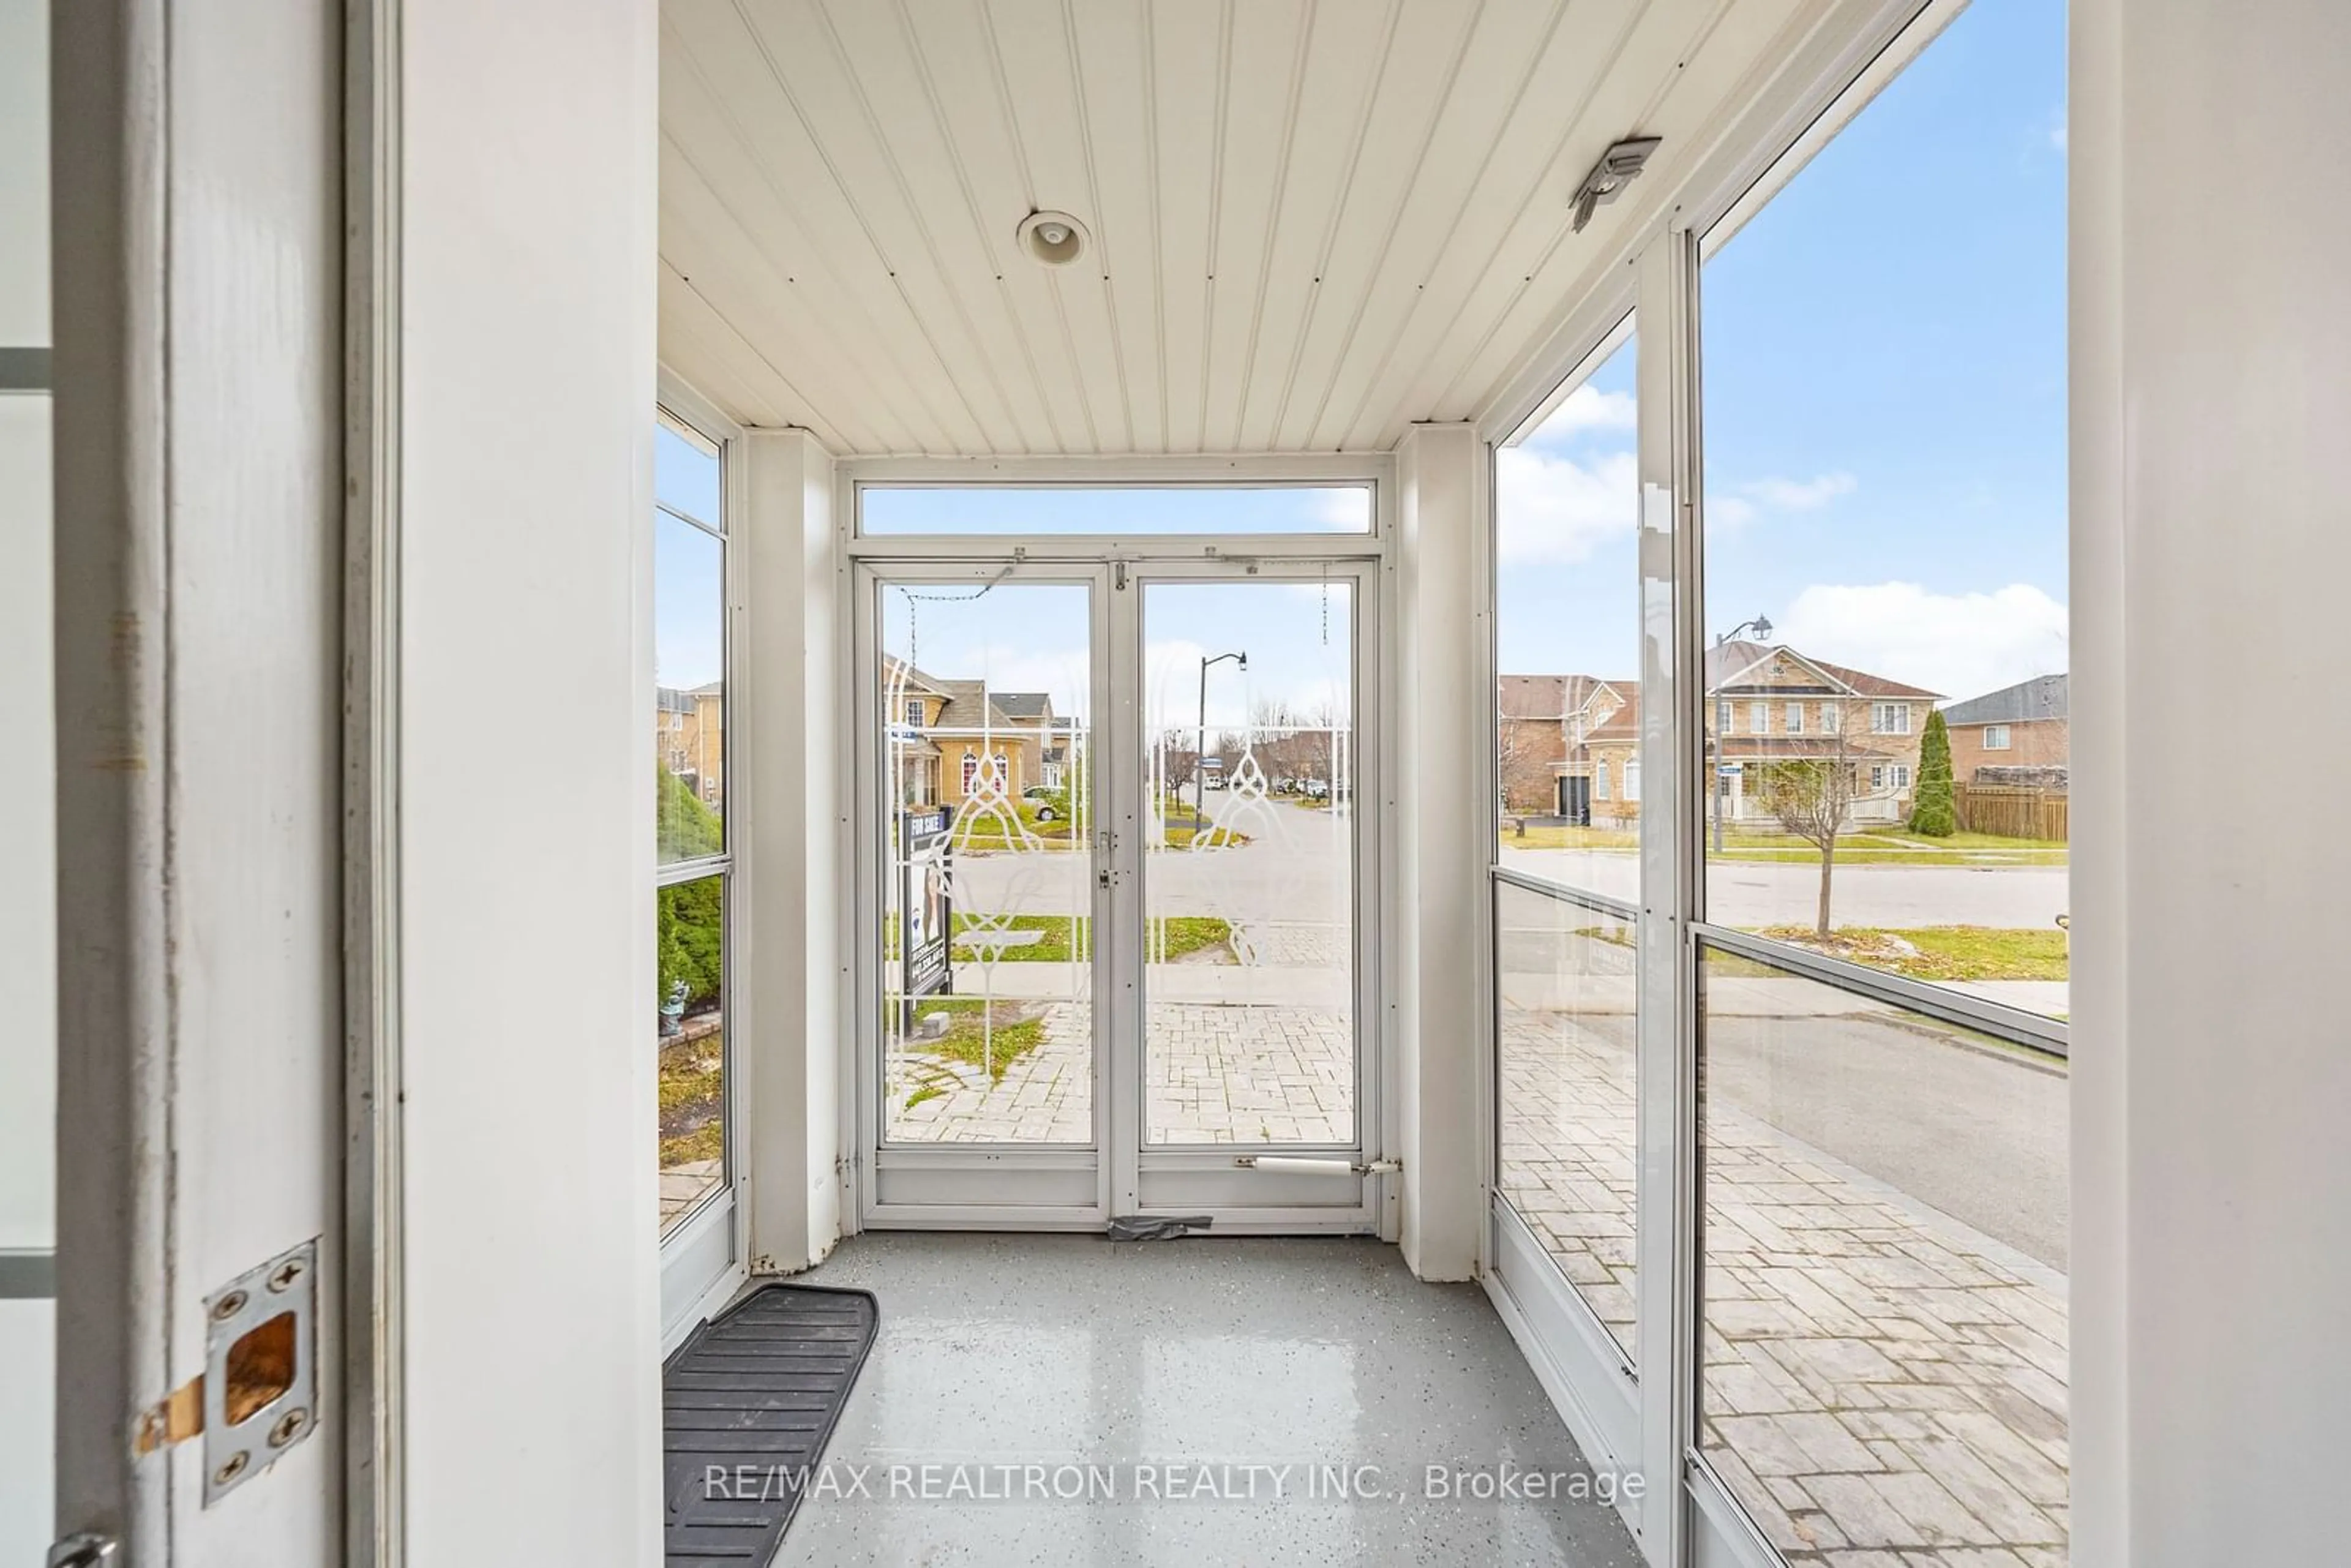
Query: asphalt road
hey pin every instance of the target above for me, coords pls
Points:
(1296, 867)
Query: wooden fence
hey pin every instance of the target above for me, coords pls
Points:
(2012, 811)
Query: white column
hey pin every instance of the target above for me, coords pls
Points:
(2211, 330)
(28, 1011)
(528, 292)
(1442, 857)
(792, 957)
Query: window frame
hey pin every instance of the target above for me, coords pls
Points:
(2004, 742)
(699, 1226)
(1652, 1426)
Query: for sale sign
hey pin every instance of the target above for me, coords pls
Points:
(925, 909)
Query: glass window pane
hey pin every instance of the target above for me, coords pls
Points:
(1115, 509)
(1565, 990)
(1883, 1273)
(689, 987)
(1567, 634)
(685, 475)
(690, 689)
(987, 938)
(1885, 529)
(1249, 888)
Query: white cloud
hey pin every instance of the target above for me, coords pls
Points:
(1799, 495)
(1730, 511)
(1736, 506)
(1342, 510)
(1960, 644)
(2057, 133)
(1589, 408)
(1552, 510)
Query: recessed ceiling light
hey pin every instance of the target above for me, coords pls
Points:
(1055, 239)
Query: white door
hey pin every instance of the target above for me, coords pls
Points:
(1090, 984)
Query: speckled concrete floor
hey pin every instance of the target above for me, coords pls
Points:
(1062, 1399)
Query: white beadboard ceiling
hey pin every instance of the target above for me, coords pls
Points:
(1314, 221)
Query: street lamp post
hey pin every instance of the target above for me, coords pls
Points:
(1761, 627)
(1200, 740)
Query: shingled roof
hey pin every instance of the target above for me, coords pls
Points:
(2042, 697)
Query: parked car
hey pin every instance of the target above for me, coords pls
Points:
(1045, 798)
(1315, 788)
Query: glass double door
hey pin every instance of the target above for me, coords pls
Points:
(1112, 933)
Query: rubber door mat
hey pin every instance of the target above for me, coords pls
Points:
(748, 1403)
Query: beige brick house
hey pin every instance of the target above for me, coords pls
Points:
(1766, 704)
(690, 739)
(944, 733)
(1569, 744)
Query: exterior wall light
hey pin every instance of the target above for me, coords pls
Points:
(1616, 169)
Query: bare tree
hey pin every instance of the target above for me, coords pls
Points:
(1811, 796)
(1177, 758)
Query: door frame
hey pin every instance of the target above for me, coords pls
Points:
(1043, 557)
(1206, 1179)
(1067, 1183)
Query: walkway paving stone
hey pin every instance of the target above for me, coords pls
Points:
(1882, 1384)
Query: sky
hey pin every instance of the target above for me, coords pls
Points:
(1884, 379)
(1884, 422)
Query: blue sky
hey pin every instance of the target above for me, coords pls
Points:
(1885, 400)
(1885, 426)
(1031, 636)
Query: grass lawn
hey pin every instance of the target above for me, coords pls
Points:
(1064, 938)
(1942, 952)
(1878, 846)
(691, 1081)
(988, 833)
(989, 1035)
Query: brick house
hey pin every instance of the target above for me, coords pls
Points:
(1766, 704)
(690, 737)
(2019, 727)
(944, 732)
(1568, 745)
(1571, 744)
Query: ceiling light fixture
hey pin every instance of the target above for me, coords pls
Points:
(1056, 239)
(1617, 168)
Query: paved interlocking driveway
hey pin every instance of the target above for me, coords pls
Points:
(1213, 1073)
(1885, 1385)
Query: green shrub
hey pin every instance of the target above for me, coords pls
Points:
(1934, 805)
(691, 922)
(687, 830)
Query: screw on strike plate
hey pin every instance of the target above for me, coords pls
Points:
(289, 1426)
(234, 1468)
(228, 1306)
(288, 1272)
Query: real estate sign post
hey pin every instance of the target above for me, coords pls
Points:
(925, 909)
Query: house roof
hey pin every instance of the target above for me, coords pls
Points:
(1531, 697)
(672, 699)
(896, 671)
(1022, 705)
(1552, 696)
(2042, 697)
(1727, 662)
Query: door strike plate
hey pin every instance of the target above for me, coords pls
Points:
(261, 1368)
